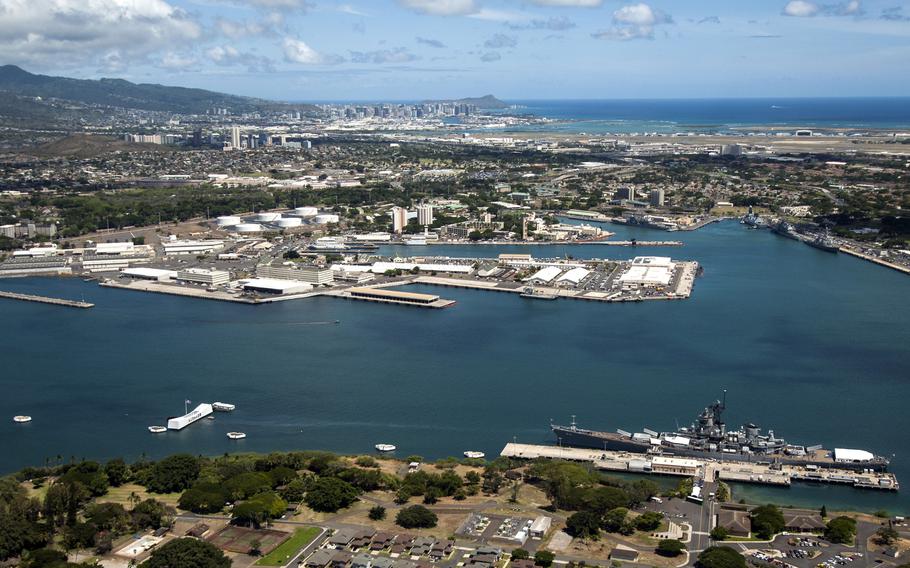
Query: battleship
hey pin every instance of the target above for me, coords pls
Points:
(823, 241)
(708, 438)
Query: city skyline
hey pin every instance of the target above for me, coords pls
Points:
(412, 49)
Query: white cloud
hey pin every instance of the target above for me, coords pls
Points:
(397, 55)
(490, 57)
(110, 33)
(288, 5)
(228, 55)
(801, 9)
(490, 15)
(808, 9)
(297, 51)
(570, 3)
(235, 30)
(442, 7)
(352, 11)
(177, 62)
(634, 21)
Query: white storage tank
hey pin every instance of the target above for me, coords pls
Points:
(268, 217)
(228, 221)
(306, 211)
(248, 228)
(288, 222)
(325, 218)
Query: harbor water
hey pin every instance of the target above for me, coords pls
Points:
(813, 344)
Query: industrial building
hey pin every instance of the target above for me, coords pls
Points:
(275, 286)
(545, 275)
(393, 296)
(648, 271)
(176, 246)
(316, 275)
(573, 277)
(145, 273)
(204, 276)
(383, 267)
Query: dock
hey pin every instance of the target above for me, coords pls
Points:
(46, 300)
(741, 472)
(875, 259)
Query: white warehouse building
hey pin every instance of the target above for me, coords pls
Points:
(648, 271)
(204, 276)
(545, 275)
(573, 277)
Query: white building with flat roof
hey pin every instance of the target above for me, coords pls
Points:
(145, 273)
(275, 286)
(177, 246)
(316, 275)
(650, 271)
(204, 276)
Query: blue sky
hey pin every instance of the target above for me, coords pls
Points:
(516, 49)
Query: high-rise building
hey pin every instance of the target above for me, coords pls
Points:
(425, 215)
(235, 137)
(657, 197)
(399, 219)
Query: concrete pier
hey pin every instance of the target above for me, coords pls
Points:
(46, 300)
(742, 472)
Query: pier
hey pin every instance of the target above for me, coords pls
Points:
(635, 243)
(741, 472)
(875, 260)
(46, 300)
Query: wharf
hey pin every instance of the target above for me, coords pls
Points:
(742, 472)
(46, 300)
(633, 243)
(874, 259)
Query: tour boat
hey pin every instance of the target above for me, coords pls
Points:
(236, 435)
(223, 406)
(385, 447)
(157, 429)
(474, 455)
(22, 419)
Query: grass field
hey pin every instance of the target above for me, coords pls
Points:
(286, 551)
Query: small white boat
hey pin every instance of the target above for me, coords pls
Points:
(157, 429)
(223, 406)
(474, 455)
(22, 419)
(385, 447)
(236, 435)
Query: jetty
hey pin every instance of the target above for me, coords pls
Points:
(46, 300)
(874, 259)
(742, 472)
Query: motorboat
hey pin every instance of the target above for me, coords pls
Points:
(474, 455)
(22, 419)
(157, 429)
(223, 406)
(385, 447)
(236, 435)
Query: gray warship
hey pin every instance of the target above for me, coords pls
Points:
(709, 438)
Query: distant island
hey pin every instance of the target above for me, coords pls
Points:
(486, 102)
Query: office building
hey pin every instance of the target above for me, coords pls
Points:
(399, 219)
(204, 276)
(235, 137)
(425, 215)
(657, 198)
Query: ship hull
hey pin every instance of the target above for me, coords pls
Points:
(608, 441)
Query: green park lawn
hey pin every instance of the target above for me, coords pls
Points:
(286, 550)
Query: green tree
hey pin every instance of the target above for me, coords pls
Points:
(187, 553)
(613, 520)
(720, 557)
(841, 530)
(544, 558)
(173, 473)
(767, 520)
(583, 524)
(416, 517)
(117, 472)
(520, 554)
(719, 533)
(329, 494)
(205, 497)
(377, 513)
(670, 547)
(648, 521)
(149, 514)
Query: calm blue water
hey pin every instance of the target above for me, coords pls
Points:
(718, 115)
(812, 344)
